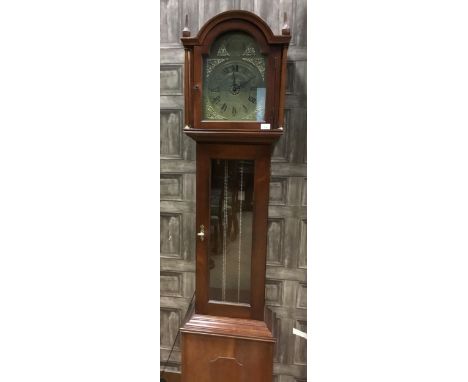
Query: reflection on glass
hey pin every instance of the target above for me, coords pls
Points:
(231, 215)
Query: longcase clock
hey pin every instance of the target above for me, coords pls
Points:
(235, 76)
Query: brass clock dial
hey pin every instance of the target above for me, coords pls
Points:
(233, 89)
(234, 83)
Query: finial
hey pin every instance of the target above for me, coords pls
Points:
(285, 30)
(186, 30)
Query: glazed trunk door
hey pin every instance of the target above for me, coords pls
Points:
(232, 195)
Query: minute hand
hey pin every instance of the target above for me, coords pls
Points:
(246, 81)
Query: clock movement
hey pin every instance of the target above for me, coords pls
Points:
(234, 87)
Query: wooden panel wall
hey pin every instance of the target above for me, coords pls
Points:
(286, 287)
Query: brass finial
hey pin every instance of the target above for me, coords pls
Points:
(285, 30)
(186, 30)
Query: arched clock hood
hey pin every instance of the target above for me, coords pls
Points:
(273, 47)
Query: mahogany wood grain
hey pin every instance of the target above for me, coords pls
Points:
(187, 82)
(234, 136)
(282, 86)
(270, 45)
(233, 15)
(228, 326)
(233, 350)
(222, 366)
(232, 342)
(172, 376)
(222, 340)
(260, 153)
(202, 217)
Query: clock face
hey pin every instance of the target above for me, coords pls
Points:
(234, 83)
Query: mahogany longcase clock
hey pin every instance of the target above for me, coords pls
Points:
(235, 76)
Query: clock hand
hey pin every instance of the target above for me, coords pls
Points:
(235, 87)
(247, 81)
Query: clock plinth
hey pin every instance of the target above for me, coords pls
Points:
(227, 349)
(235, 76)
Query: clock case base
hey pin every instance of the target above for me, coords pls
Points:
(228, 349)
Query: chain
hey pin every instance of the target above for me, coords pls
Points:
(241, 198)
(225, 223)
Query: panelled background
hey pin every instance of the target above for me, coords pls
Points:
(286, 286)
